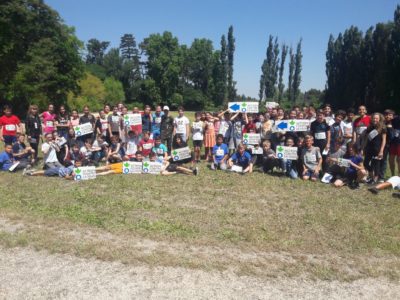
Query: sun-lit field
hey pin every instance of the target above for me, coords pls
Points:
(255, 224)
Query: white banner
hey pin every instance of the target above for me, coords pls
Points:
(182, 153)
(132, 119)
(251, 138)
(292, 125)
(152, 167)
(284, 152)
(84, 173)
(244, 107)
(132, 167)
(83, 129)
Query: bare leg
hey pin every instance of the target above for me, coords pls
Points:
(110, 172)
(185, 170)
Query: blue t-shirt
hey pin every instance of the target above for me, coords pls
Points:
(156, 124)
(220, 151)
(146, 123)
(241, 160)
(355, 160)
(160, 150)
(5, 161)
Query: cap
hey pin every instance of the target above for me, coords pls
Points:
(165, 108)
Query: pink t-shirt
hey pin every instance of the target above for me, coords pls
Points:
(74, 122)
(48, 122)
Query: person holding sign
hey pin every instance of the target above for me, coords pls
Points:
(7, 160)
(312, 160)
(181, 125)
(375, 145)
(269, 160)
(321, 132)
(220, 154)
(9, 126)
(115, 123)
(160, 150)
(197, 130)
(225, 127)
(241, 161)
(176, 165)
(289, 166)
(115, 152)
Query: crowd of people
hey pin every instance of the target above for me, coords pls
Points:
(368, 143)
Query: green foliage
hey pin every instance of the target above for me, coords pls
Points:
(92, 93)
(297, 72)
(39, 54)
(95, 51)
(230, 54)
(363, 68)
(269, 69)
(114, 91)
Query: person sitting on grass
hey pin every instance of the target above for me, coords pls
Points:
(90, 153)
(353, 174)
(22, 153)
(393, 182)
(269, 160)
(160, 150)
(220, 153)
(312, 160)
(115, 151)
(289, 166)
(146, 144)
(7, 160)
(241, 161)
(49, 150)
(179, 143)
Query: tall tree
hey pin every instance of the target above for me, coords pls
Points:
(297, 72)
(128, 47)
(281, 86)
(270, 69)
(231, 52)
(95, 51)
(224, 68)
(291, 75)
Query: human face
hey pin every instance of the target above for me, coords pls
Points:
(102, 114)
(49, 138)
(21, 138)
(320, 117)
(34, 111)
(300, 115)
(266, 146)
(157, 142)
(135, 110)
(327, 110)
(338, 119)
(147, 110)
(139, 157)
(389, 117)
(124, 110)
(166, 111)
(375, 119)
(197, 116)
(146, 136)
(219, 140)
(309, 143)
(8, 112)
(292, 114)
(280, 112)
(62, 110)
(289, 143)
(180, 113)
(350, 117)
(107, 109)
(115, 110)
(158, 109)
(86, 110)
(261, 118)
(8, 149)
(51, 108)
(75, 114)
(241, 150)
(362, 110)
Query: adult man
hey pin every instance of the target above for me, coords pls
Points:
(167, 128)
(156, 122)
(49, 150)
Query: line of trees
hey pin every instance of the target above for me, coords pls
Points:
(364, 68)
(272, 87)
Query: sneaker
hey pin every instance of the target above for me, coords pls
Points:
(396, 195)
(24, 171)
(213, 167)
(196, 171)
(381, 181)
(354, 186)
(373, 190)
(370, 181)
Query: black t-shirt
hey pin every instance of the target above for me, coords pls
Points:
(374, 140)
(319, 132)
(87, 119)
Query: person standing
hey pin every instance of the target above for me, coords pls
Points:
(167, 128)
(9, 126)
(33, 127)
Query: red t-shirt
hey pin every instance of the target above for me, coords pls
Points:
(249, 128)
(361, 124)
(146, 146)
(9, 124)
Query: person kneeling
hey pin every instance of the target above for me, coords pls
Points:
(220, 153)
(240, 161)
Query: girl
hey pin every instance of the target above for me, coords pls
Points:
(209, 137)
(33, 128)
(49, 118)
(237, 127)
(290, 166)
(101, 126)
(74, 121)
(146, 144)
(217, 123)
(197, 130)
(115, 123)
(355, 172)
(62, 122)
(115, 152)
(375, 144)
(131, 145)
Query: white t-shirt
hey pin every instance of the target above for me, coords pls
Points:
(180, 124)
(131, 146)
(51, 155)
(197, 130)
(87, 153)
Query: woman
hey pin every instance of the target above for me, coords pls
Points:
(33, 128)
(49, 118)
(375, 141)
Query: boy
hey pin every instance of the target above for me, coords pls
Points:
(146, 144)
(25, 155)
(7, 159)
(197, 135)
(220, 153)
(269, 160)
(393, 182)
(181, 125)
(9, 126)
(160, 150)
(312, 160)
(241, 161)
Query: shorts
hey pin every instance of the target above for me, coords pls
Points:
(117, 168)
(198, 143)
(311, 174)
(394, 150)
(172, 168)
(395, 182)
(9, 139)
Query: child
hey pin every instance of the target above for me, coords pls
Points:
(146, 144)
(131, 145)
(101, 126)
(49, 118)
(160, 150)
(62, 144)
(49, 150)
(115, 152)
(197, 135)
(62, 122)
(74, 120)
(25, 155)
(321, 132)
(393, 182)
(225, 126)
(337, 128)
(269, 160)
(375, 145)
(33, 127)
(394, 150)
(75, 155)
(220, 154)
(241, 161)
(115, 123)
(312, 160)
(181, 125)
(290, 166)
(209, 137)
(89, 153)
(9, 126)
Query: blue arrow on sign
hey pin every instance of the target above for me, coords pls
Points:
(282, 125)
(235, 107)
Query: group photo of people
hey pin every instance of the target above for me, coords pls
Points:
(342, 148)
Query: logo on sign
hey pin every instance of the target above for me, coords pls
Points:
(245, 139)
(126, 168)
(146, 167)
(280, 154)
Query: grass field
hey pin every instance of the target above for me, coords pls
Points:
(256, 224)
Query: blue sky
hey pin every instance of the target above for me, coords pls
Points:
(253, 21)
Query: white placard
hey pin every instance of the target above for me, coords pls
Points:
(292, 125)
(83, 129)
(182, 153)
(343, 162)
(152, 167)
(254, 150)
(61, 141)
(251, 138)
(84, 173)
(132, 119)
(132, 167)
(271, 104)
(244, 107)
(284, 152)
(236, 168)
